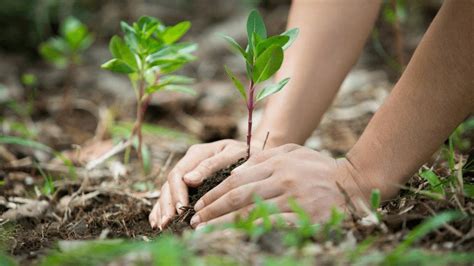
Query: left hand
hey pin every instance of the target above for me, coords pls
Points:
(276, 175)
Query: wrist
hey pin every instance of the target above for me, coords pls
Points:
(371, 175)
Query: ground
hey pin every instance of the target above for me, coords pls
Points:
(48, 205)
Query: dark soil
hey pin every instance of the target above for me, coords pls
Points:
(121, 215)
(182, 222)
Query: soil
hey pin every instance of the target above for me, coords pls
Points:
(182, 222)
(107, 215)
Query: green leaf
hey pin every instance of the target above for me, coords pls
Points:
(174, 33)
(169, 80)
(292, 34)
(176, 79)
(147, 160)
(154, 88)
(235, 47)
(148, 25)
(117, 65)
(267, 63)
(255, 24)
(274, 40)
(130, 35)
(174, 54)
(236, 82)
(25, 142)
(272, 89)
(469, 190)
(433, 180)
(375, 199)
(182, 89)
(55, 51)
(421, 230)
(76, 34)
(121, 51)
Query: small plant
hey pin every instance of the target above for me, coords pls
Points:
(258, 221)
(65, 51)
(263, 57)
(375, 200)
(148, 53)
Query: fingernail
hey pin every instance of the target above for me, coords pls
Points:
(192, 176)
(199, 205)
(178, 207)
(195, 220)
(164, 220)
(200, 226)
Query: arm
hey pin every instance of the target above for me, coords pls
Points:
(332, 35)
(433, 96)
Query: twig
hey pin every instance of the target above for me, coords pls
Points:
(350, 204)
(116, 149)
(265, 141)
(166, 166)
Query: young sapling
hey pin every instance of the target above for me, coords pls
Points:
(263, 57)
(148, 53)
(65, 51)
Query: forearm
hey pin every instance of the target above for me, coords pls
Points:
(433, 96)
(332, 35)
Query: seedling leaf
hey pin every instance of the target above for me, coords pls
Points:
(433, 180)
(255, 24)
(421, 230)
(130, 35)
(279, 40)
(272, 89)
(120, 50)
(375, 199)
(235, 47)
(174, 33)
(76, 34)
(117, 65)
(267, 63)
(179, 88)
(292, 34)
(54, 51)
(236, 82)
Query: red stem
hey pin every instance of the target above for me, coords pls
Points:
(250, 107)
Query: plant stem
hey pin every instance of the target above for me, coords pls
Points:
(141, 108)
(250, 107)
(68, 83)
(398, 35)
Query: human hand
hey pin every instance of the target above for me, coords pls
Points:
(199, 162)
(276, 175)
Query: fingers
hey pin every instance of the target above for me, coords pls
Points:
(178, 189)
(155, 216)
(281, 202)
(167, 209)
(237, 179)
(236, 199)
(213, 164)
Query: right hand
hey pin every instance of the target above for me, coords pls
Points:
(199, 162)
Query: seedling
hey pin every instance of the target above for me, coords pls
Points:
(263, 57)
(65, 51)
(148, 53)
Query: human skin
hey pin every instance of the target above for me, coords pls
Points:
(433, 96)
